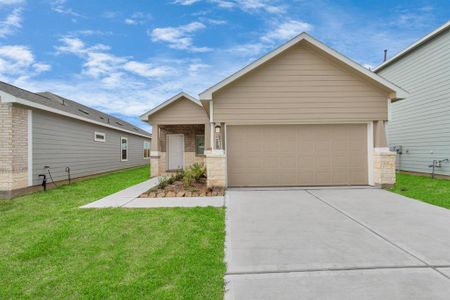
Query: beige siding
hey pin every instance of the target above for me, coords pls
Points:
(300, 85)
(290, 155)
(182, 111)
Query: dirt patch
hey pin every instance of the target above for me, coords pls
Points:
(177, 189)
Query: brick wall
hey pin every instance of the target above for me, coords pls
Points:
(189, 131)
(13, 147)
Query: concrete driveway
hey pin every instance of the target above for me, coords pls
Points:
(335, 244)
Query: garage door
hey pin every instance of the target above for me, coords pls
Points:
(297, 155)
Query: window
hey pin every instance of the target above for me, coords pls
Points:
(200, 144)
(99, 137)
(146, 150)
(124, 149)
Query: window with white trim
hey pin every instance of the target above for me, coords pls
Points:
(123, 149)
(200, 144)
(146, 150)
(99, 137)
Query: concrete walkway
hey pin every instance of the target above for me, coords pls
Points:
(128, 198)
(335, 244)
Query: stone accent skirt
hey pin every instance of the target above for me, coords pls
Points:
(384, 167)
(216, 168)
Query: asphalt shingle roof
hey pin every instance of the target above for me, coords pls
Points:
(57, 102)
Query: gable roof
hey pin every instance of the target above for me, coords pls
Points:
(56, 104)
(400, 93)
(413, 46)
(175, 98)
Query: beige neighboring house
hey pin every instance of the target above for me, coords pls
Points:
(302, 115)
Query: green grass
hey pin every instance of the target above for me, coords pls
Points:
(49, 248)
(433, 191)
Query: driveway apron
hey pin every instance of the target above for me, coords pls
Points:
(334, 244)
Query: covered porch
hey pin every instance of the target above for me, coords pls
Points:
(182, 134)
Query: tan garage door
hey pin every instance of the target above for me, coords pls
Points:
(297, 155)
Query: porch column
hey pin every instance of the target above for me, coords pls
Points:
(379, 135)
(383, 158)
(208, 137)
(215, 158)
(154, 152)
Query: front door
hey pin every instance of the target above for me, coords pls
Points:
(175, 151)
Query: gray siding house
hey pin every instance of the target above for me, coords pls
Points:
(43, 134)
(419, 127)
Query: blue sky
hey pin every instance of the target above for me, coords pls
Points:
(125, 57)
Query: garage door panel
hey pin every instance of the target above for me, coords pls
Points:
(290, 155)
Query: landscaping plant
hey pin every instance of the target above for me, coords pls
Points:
(198, 171)
(163, 182)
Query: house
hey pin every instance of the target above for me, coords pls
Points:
(302, 115)
(419, 128)
(45, 134)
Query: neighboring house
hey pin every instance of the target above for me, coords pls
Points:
(40, 130)
(301, 115)
(419, 128)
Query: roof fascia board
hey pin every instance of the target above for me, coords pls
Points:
(413, 46)
(400, 93)
(145, 116)
(7, 98)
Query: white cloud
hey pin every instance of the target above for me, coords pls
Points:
(286, 30)
(138, 18)
(186, 2)
(11, 23)
(59, 6)
(277, 32)
(17, 61)
(100, 64)
(179, 37)
(147, 70)
(245, 5)
(11, 2)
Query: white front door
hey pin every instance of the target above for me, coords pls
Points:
(175, 148)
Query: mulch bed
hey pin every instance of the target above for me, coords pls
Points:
(177, 189)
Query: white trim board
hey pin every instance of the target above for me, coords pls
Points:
(400, 93)
(178, 96)
(7, 98)
(30, 147)
(370, 168)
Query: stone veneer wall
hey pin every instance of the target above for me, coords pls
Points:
(384, 167)
(216, 169)
(13, 149)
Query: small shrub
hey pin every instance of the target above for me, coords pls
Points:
(179, 175)
(198, 171)
(163, 182)
(187, 178)
(171, 179)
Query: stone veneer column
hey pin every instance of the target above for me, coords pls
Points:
(384, 167)
(216, 168)
(154, 152)
(13, 148)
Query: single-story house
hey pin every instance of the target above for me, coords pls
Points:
(302, 115)
(419, 129)
(45, 134)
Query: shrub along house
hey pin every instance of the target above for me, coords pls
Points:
(43, 134)
(301, 115)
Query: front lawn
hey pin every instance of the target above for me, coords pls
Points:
(433, 191)
(50, 248)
